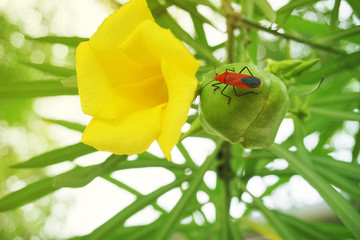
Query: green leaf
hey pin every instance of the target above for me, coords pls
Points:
(266, 8)
(335, 14)
(81, 176)
(306, 65)
(333, 229)
(208, 4)
(356, 149)
(294, 4)
(344, 168)
(115, 222)
(340, 182)
(172, 218)
(335, 200)
(337, 99)
(68, 41)
(70, 82)
(335, 114)
(304, 89)
(280, 227)
(340, 35)
(304, 229)
(27, 194)
(191, 9)
(70, 125)
(68, 153)
(303, 26)
(47, 68)
(42, 88)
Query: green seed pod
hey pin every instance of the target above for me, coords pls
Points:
(249, 116)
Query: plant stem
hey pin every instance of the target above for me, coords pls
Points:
(229, 12)
(225, 174)
(238, 20)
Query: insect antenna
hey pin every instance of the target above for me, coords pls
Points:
(215, 74)
(215, 66)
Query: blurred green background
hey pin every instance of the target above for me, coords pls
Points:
(37, 115)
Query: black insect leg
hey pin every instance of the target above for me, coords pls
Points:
(247, 69)
(230, 70)
(222, 93)
(215, 85)
(238, 95)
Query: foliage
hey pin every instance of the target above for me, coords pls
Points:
(285, 42)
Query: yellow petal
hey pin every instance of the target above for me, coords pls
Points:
(151, 43)
(119, 25)
(181, 90)
(130, 135)
(107, 95)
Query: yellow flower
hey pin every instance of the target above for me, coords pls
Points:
(136, 80)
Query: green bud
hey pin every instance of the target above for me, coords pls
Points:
(252, 119)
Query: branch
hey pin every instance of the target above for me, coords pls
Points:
(229, 12)
(238, 21)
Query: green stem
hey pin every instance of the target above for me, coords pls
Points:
(238, 21)
(226, 6)
(225, 173)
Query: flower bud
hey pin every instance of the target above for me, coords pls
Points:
(249, 116)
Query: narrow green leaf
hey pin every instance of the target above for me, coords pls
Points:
(199, 30)
(68, 153)
(266, 8)
(172, 218)
(338, 231)
(344, 168)
(27, 194)
(335, 114)
(340, 35)
(303, 26)
(48, 68)
(340, 182)
(70, 125)
(305, 230)
(69, 41)
(280, 227)
(117, 221)
(81, 176)
(295, 4)
(208, 4)
(70, 82)
(335, 66)
(356, 149)
(145, 162)
(335, 14)
(335, 200)
(35, 89)
(191, 9)
(337, 99)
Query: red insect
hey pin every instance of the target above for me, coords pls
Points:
(237, 80)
